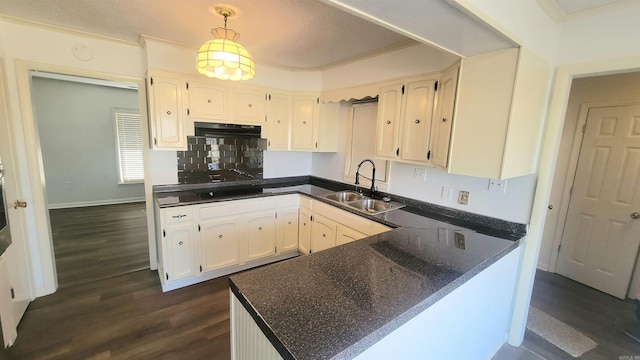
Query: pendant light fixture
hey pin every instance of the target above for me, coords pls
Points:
(223, 58)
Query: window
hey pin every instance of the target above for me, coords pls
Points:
(361, 145)
(129, 144)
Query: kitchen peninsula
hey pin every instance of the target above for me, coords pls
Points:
(405, 293)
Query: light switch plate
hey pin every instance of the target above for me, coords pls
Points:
(463, 197)
(420, 174)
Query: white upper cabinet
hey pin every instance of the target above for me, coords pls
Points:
(405, 111)
(249, 106)
(443, 118)
(208, 102)
(303, 125)
(167, 111)
(499, 113)
(279, 108)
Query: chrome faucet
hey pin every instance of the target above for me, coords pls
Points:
(373, 175)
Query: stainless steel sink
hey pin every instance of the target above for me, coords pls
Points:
(372, 206)
(363, 204)
(345, 196)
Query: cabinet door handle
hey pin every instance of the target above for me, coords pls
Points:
(220, 236)
(388, 122)
(260, 228)
(444, 119)
(417, 121)
(289, 222)
(209, 101)
(180, 243)
(250, 105)
(304, 123)
(168, 112)
(324, 235)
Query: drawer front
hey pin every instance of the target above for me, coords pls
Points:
(234, 207)
(177, 214)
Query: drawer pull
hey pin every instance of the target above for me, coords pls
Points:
(417, 121)
(179, 216)
(250, 105)
(209, 101)
(220, 236)
(260, 228)
(388, 122)
(324, 235)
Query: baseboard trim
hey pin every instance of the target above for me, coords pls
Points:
(96, 203)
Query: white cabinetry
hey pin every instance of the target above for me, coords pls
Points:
(208, 102)
(260, 230)
(500, 108)
(304, 122)
(346, 235)
(249, 106)
(323, 233)
(9, 332)
(443, 118)
(304, 231)
(405, 112)
(219, 241)
(287, 231)
(178, 234)
(279, 108)
(167, 111)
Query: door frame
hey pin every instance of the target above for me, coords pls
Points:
(576, 148)
(44, 243)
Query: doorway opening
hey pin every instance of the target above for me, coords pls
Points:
(91, 150)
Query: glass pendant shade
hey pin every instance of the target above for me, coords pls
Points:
(223, 58)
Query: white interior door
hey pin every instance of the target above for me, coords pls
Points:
(602, 231)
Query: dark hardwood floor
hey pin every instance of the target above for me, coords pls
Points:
(98, 242)
(599, 316)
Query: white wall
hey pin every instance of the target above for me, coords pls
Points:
(78, 141)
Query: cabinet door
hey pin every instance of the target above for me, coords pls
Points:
(443, 118)
(305, 113)
(304, 231)
(249, 106)
(219, 239)
(208, 102)
(167, 112)
(417, 110)
(288, 229)
(388, 122)
(323, 233)
(178, 254)
(261, 234)
(346, 235)
(279, 119)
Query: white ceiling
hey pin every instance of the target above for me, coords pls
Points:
(297, 34)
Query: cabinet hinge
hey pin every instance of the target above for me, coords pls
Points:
(198, 227)
(398, 152)
(13, 293)
(571, 191)
(187, 85)
(188, 112)
(311, 218)
(317, 100)
(269, 97)
(584, 128)
(200, 268)
(559, 246)
(275, 249)
(266, 97)
(265, 118)
(155, 141)
(164, 233)
(435, 86)
(429, 155)
(276, 214)
(151, 81)
(166, 275)
(268, 142)
(316, 144)
(403, 89)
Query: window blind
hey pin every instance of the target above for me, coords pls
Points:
(129, 138)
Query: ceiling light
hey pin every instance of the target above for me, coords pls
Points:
(223, 57)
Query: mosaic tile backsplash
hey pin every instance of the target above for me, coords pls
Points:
(217, 159)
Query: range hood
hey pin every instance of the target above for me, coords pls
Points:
(226, 130)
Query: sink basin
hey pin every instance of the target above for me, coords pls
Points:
(372, 206)
(345, 196)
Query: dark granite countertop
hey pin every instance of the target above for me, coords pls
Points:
(415, 214)
(336, 303)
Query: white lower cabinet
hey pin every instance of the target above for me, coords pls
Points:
(346, 235)
(260, 230)
(202, 242)
(219, 243)
(304, 231)
(323, 233)
(287, 230)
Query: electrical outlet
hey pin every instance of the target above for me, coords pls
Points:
(496, 185)
(463, 197)
(459, 240)
(420, 174)
(447, 192)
